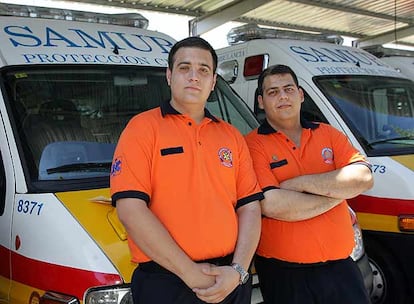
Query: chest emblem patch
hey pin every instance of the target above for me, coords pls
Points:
(327, 155)
(226, 157)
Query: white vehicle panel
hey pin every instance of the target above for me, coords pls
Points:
(40, 221)
(33, 41)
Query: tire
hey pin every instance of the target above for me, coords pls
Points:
(389, 285)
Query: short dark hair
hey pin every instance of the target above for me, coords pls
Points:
(275, 70)
(195, 42)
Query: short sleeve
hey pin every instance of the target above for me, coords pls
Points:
(131, 165)
(248, 189)
(261, 163)
(344, 152)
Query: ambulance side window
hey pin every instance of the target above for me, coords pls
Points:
(2, 186)
(224, 104)
(310, 110)
(260, 114)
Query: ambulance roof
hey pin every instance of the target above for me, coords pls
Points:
(304, 51)
(47, 41)
(318, 58)
(322, 58)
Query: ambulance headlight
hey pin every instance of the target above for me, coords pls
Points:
(119, 294)
(358, 250)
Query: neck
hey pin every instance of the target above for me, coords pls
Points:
(195, 111)
(291, 128)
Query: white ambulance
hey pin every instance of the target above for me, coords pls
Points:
(68, 87)
(373, 104)
(401, 60)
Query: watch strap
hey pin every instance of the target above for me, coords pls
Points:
(244, 275)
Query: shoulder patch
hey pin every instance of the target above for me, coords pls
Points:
(116, 167)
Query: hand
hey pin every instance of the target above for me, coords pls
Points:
(227, 279)
(198, 276)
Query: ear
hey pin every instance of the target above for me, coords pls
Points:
(302, 98)
(260, 102)
(214, 82)
(168, 76)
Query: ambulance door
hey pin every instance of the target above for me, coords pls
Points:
(225, 104)
(6, 210)
(316, 108)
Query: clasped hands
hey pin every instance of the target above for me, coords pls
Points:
(211, 283)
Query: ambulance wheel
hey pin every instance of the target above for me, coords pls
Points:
(388, 282)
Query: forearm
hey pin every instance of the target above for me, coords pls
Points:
(343, 183)
(290, 206)
(227, 279)
(249, 218)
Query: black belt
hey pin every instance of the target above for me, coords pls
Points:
(281, 263)
(152, 266)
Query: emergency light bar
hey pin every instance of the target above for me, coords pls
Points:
(128, 19)
(252, 31)
(380, 51)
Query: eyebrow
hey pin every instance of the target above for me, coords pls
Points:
(285, 86)
(200, 63)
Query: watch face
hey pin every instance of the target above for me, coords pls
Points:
(244, 278)
(244, 275)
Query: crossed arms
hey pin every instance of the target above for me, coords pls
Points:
(317, 193)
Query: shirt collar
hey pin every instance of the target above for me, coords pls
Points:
(265, 128)
(166, 108)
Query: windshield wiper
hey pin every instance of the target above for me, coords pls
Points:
(80, 167)
(391, 140)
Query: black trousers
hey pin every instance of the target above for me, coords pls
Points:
(338, 282)
(153, 284)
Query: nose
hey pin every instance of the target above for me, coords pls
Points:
(283, 94)
(193, 75)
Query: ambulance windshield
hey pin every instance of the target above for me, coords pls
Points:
(69, 119)
(379, 111)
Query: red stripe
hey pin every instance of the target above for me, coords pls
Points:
(4, 262)
(47, 276)
(380, 205)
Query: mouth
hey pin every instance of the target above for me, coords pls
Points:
(191, 88)
(284, 106)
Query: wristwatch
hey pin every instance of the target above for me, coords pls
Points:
(244, 275)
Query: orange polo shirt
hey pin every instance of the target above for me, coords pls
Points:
(192, 176)
(323, 148)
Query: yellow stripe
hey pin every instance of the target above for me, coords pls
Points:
(406, 160)
(378, 222)
(20, 293)
(4, 289)
(95, 217)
